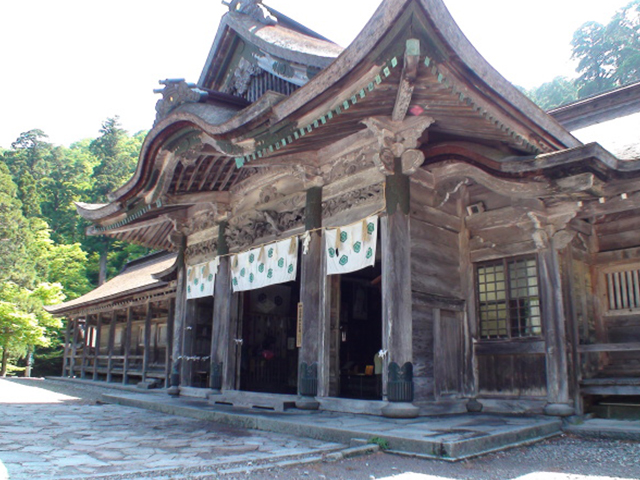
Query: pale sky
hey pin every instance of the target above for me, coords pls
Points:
(67, 65)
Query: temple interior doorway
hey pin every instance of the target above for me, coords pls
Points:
(269, 355)
(358, 334)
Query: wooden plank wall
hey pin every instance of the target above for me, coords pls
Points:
(435, 260)
(423, 343)
(512, 375)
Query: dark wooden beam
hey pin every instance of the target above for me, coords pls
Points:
(194, 198)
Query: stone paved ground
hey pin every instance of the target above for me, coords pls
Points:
(44, 435)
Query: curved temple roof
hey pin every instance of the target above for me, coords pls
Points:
(194, 150)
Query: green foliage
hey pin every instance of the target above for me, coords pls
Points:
(608, 55)
(42, 238)
(117, 156)
(559, 91)
(24, 322)
(14, 232)
(383, 443)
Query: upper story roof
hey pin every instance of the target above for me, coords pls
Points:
(302, 94)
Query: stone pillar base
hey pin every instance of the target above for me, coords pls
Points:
(559, 410)
(400, 410)
(474, 406)
(307, 403)
(174, 391)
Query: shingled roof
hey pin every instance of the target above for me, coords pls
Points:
(137, 276)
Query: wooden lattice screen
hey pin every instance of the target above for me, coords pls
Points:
(623, 289)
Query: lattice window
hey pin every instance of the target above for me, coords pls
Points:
(623, 289)
(508, 298)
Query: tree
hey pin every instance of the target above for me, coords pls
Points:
(609, 56)
(23, 321)
(117, 156)
(559, 91)
(14, 233)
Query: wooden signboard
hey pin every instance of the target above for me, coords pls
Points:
(299, 327)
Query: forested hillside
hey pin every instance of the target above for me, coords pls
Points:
(45, 255)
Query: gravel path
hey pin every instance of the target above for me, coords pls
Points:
(565, 454)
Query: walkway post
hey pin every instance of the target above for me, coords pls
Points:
(96, 350)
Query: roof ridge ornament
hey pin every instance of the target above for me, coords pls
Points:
(175, 93)
(253, 8)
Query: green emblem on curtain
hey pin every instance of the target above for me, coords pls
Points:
(270, 273)
(210, 277)
(281, 262)
(195, 281)
(243, 272)
(235, 281)
(290, 269)
(357, 247)
(251, 277)
(270, 253)
(332, 252)
(261, 268)
(202, 287)
(370, 228)
(189, 289)
(369, 252)
(343, 237)
(343, 260)
(252, 257)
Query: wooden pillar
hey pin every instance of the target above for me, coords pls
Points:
(147, 341)
(96, 351)
(188, 344)
(397, 325)
(554, 327)
(467, 280)
(169, 347)
(85, 347)
(74, 346)
(67, 348)
(127, 346)
(398, 139)
(221, 328)
(312, 357)
(180, 311)
(112, 341)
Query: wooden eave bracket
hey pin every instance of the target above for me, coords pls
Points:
(407, 79)
(398, 139)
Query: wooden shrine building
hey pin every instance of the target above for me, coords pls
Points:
(390, 228)
(120, 331)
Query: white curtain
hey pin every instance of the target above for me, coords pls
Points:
(267, 265)
(201, 279)
(353, 247)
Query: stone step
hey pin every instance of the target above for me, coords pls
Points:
(452, 437)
